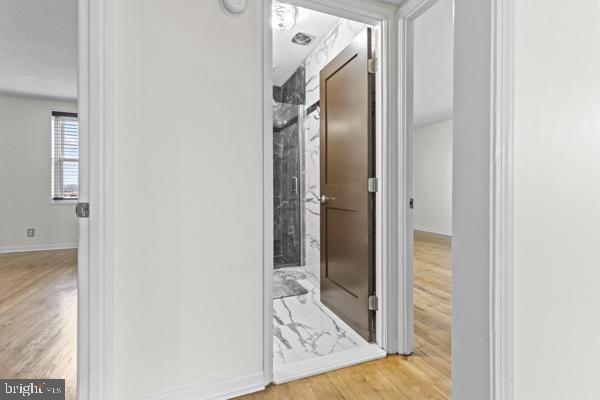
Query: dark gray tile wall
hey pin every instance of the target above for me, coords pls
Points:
(287, 183)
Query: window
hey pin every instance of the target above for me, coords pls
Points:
(65, 156)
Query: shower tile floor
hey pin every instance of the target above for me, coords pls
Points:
(303, 328)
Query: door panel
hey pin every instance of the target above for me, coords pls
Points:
(347, 161)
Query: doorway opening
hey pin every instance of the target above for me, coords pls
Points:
(431, 148)
(325, 132)
(40, 172)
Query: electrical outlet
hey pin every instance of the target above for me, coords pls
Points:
(30, 232)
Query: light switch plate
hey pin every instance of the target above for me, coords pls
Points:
(30, 232)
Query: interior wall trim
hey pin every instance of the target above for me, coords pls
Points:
(268, 264)
(217, 390)
(37, 247)
(432, 230)
(407, 14)
(501, 195)
(96, 233)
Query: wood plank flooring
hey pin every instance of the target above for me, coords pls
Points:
(38, 303)
(424, 375)
(38, 316)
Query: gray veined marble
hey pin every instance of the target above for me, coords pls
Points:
(339, 37)
(304, 328)
(312, 189)
(287, 175)
(286, 189)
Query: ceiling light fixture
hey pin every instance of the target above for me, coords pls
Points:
(283, 16)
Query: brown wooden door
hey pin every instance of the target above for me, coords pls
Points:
(347, 210)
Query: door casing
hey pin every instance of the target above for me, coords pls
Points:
(382, 17)
(95, 248)
(409, 13)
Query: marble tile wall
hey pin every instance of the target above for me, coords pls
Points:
(311, 125)
(343, 33)
(287, 201)
(335, 41)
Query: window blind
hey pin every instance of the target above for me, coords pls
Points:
(65, 156)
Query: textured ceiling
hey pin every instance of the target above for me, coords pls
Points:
(38, 48)
(433, 68)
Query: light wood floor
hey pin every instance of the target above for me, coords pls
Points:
(38, 316)
(424, 375)
(38, 303)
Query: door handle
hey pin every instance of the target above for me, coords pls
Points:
(324, 199)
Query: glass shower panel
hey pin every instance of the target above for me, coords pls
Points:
(286, 186)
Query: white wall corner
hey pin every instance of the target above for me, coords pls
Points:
(217, 390)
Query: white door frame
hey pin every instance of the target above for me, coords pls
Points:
(501, 195)
(499, 320)
(407, 14)
(384, 16)
(95, 254)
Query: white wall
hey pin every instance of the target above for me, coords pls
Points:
(25, 165)
(189, 239)
(432, 177)
(557, 200)
(433, 64)
(471, 208)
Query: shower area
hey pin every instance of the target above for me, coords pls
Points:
(288, 104)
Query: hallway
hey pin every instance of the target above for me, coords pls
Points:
(424, 375)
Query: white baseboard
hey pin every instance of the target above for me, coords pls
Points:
(432, 230)
(218, 390)
(319, 365)
(37, 247)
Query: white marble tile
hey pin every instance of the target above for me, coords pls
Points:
(330, 46)
(303, 328)
(311, 188)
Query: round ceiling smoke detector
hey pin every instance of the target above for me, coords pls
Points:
(303, 39)
(234, 6)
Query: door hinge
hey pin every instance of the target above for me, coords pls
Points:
(373, 303)
(372, 65)
(82, 210)
(372, 185)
